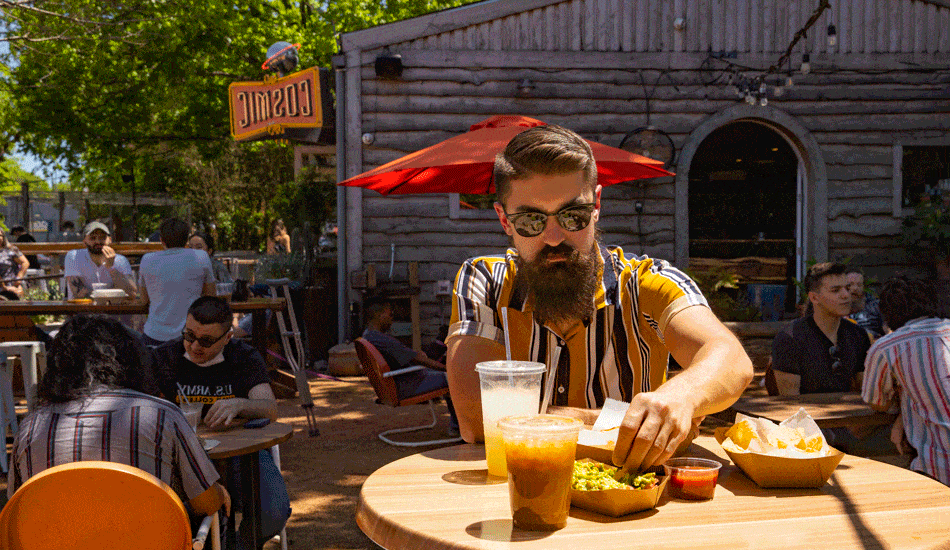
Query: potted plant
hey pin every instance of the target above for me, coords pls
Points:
(926, 233)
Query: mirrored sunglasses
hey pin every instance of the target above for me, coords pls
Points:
(532, 224)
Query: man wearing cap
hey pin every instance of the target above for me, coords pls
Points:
(98, 263)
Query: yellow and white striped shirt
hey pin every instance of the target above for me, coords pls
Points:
(617, 354)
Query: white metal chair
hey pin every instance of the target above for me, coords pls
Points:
(31, 353)
(377, 370)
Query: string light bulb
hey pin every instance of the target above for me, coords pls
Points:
(789, 81)
(832, 35)
(806, 64)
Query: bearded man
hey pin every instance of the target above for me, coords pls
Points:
(611, 321)
(97, 263)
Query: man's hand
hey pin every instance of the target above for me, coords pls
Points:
(225, 413)
(108, 256)
(654, 426)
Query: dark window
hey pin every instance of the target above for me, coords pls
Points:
(926, 171)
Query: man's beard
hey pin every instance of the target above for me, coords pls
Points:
(563, 291)
(95, 250)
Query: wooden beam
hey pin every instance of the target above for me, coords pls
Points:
(828, 62)
(128, 248)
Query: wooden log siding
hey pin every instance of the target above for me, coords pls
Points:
(863, 96)
(743, 26)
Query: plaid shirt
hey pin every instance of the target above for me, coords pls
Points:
(618, 354)
(122, 426)
(913, 363)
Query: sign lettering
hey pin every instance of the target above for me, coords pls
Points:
(267, 108)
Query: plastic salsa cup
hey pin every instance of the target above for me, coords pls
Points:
(692, 478)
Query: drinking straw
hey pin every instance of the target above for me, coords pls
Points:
(549, 383)
(504, 325)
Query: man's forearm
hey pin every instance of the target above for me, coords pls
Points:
(78, 287)
(714, 380)
(464, 352)
(259, 408)
(121, 280)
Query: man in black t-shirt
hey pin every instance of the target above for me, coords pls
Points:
(822, 352)
(230, 377)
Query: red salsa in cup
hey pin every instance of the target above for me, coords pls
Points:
(692, 478)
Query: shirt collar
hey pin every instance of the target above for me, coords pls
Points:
(219, 358)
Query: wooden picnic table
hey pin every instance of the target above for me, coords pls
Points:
(442, 499)
(125, 248)
(830, 410)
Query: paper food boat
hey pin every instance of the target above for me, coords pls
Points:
(620, 502)
(795, 470)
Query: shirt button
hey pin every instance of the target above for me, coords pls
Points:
(560, 389)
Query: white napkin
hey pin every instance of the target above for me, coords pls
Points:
(604, 431)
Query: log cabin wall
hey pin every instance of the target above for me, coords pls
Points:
(607, 67)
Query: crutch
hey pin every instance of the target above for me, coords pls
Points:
(294, 354)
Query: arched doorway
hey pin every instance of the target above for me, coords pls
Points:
(742, 190)
(743, 212)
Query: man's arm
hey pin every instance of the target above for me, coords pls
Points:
(260, 403)
(784, 360)
(464, 352)
(422, 359)
(788, 383)
(78, 287)
(120, 279)
(716, 371)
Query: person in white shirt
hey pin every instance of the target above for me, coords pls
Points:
(97, 263)
(170, 280)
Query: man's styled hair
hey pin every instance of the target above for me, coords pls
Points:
(91, 351)
(546, 150)
(818, 272)
(903, 299)
(174, 232)
(209, 310)
(374, 307)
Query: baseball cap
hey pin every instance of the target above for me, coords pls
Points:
(92, 226)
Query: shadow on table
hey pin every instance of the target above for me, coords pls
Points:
(866, 535)
(461, 453)
(473, 477)
(503, 530)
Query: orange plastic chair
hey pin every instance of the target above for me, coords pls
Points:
(95, 505)
(380, 376)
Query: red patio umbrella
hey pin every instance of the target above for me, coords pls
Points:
(463, 164)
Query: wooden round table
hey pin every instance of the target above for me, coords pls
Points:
(442, 499)
(245, 443)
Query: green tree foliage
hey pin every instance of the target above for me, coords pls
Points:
(103, 89)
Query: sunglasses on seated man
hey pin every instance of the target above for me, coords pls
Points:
(571, 218)
(204, 341)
